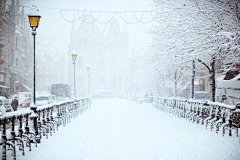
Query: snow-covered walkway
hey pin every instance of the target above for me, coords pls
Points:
(114, 129)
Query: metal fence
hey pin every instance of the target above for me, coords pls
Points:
(218, 116)
(26, 127)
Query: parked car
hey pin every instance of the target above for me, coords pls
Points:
(42, 99)
(53, 99)
(228, 88)
(4, 106)
(149, 98)
(139, 97)
(133, 97)
(202, 96)
(103, 94)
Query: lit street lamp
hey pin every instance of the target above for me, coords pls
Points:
(34, 19)
(88, 70)
(74, 57)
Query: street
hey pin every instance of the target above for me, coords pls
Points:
(122, 129)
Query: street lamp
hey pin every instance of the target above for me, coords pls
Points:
(34, 19)
(91, 91)
(90, 73)
(89, 83)
(88, 70)
(74, 57)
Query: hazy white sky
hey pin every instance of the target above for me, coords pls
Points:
(52, 25)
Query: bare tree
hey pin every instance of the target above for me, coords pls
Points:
(199, 29)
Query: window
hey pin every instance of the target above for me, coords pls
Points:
(43, 80)
(102, 62)
(113, 81)
(120, 81)
(231, 74)
(56, 70)
(49, 70)
(43, 70)
(113, 62)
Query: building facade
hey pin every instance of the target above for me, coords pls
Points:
(106, 54)
(51, 67)
(16, 47)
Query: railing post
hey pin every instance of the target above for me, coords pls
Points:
(4, 140)
(34, 118)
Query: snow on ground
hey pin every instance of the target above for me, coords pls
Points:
(114, 129)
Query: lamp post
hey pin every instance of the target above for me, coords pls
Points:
(89, 83)
(88, 71)
(34, 19)
(91, 90)
(74, 57)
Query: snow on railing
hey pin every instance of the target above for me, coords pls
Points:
(35, 123)
(218, 115)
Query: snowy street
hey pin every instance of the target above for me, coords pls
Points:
(121, 129)
(138, 80)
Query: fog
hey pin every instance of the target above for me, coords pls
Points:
(122, 65)
(54, 26)
(160, 47)
(59, 18)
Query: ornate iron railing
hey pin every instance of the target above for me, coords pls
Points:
(218, 116)
(35, 123)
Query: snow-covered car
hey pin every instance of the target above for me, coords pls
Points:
(133, 97)
(228, 88)
(52, 99)
(202, 96)
(140, 97)
(103, 94)
(4, 106)
(150, 98)
(42, 100)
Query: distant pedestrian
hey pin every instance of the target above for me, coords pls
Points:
(15, 103)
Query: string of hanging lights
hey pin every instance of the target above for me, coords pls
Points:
(112, 13)
(80, 14)
(42, 41)
(39, 42)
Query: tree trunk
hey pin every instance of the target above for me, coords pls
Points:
(175, 84)
(192, 83)
(212, 80)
